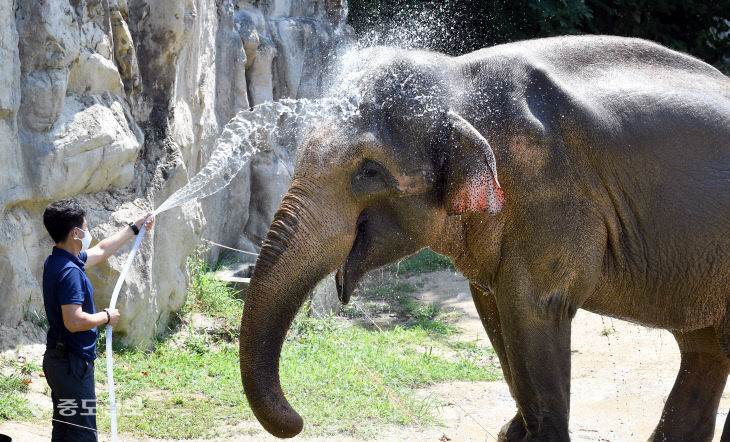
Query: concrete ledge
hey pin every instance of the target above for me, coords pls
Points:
(232, 277)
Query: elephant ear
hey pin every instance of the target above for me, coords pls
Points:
(469, 171)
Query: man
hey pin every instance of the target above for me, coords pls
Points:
(68, 297)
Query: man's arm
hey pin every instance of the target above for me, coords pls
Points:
(109, 246)
(76, 320)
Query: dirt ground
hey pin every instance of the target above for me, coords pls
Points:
(622, 374)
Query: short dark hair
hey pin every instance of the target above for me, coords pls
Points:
(61, 217)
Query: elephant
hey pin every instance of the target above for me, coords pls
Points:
(562, 173)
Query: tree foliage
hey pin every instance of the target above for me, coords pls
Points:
(700, 28)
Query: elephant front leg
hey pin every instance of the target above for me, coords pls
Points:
(536, 333)
(486, 306)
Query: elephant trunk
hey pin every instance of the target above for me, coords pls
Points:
(298, 252)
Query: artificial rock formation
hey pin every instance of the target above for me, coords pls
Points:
(119, 103)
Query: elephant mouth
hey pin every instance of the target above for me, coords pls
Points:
(379, 241)
(339, 283)
(352, 269)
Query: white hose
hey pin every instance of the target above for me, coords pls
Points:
(109, 355)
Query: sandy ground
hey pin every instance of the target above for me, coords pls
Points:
(620, 382)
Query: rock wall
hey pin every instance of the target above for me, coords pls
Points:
(119, 102)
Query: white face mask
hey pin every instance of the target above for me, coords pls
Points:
(85, 241)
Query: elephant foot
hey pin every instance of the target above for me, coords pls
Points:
(513, 431)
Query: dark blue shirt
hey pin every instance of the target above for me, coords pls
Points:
(65, 282)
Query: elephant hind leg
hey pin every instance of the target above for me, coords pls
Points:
(690, 411)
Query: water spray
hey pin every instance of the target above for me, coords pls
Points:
(233, 150)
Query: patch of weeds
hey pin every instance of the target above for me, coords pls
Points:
(28, 368)
(174, 322)
(450, 316)
(303, 323)
(424, 261)
(212, 297)
(426, 317)
(427, 311)
(117, 342)
(197, 342)
(350, 311)
(472, 351)
(37, 317)
(397, 294)
(606, 331)
(13, 404)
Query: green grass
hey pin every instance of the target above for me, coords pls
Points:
(427, 317)
(424, 261)
(343, 379)
(339, 377)
(174, 392)
(13, 404)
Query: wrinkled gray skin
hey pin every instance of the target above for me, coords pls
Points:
(613, 195)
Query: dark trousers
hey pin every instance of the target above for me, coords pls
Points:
(71, 379)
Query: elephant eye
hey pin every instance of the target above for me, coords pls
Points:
(371, 177)
(368, 171)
